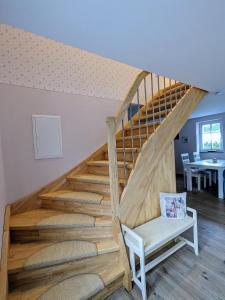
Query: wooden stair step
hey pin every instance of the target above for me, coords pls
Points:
(165, 99)
(169, 90)
(150, 124)
(105, 163)
(174, 89)
(94, 234)
(156, 114)
(93, 264)
(175, 93)
(91, 178)
(168, 100)
(143, 128)
(130, 154)
(90, 205)
(29, 256)
(106, 266)
(74, 196)
(132, 140)
(162, 99)
(129, 150)
(163, 105)
(47, 218)
(135, 137)
(77, 287)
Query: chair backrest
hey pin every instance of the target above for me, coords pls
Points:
(196, 156)
(185, 158)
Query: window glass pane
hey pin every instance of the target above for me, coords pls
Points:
(215, 127)
(205, 128)
(216, 140)
(206, 141)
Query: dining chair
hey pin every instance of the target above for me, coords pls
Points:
(209, 173)
(195, 173)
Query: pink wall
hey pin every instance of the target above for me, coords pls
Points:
(83, 128)
(2, 194)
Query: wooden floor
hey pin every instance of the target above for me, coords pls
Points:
(183, 275)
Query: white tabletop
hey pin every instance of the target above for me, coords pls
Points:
(207, 163)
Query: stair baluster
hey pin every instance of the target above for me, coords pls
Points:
(175, 88)
(153, 107)
(146, 108)
(159, 104)
(171, 105)
(181, 93)
(132, 138)
(164, 88)
(124, 152)
(139, 118)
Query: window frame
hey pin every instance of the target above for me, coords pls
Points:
(199, 135)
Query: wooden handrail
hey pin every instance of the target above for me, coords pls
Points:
(130, 95)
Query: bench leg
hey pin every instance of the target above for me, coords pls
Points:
(195, 236)
(143, 278)
(132, 263)
(194, 244)
(140, 283)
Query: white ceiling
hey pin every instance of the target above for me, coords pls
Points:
(180, 39)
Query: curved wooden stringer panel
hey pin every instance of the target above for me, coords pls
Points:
(154, 169)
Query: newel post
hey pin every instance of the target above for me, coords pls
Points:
(113, 170)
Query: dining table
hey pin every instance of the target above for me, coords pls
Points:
(207, 164)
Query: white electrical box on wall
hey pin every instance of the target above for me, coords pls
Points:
(47, 134)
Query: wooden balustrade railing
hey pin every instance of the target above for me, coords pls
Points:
(152, 93)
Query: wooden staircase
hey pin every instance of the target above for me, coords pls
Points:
(65, 240)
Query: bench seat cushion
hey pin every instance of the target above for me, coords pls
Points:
(159, 231)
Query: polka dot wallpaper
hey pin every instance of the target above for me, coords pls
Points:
(29, 60)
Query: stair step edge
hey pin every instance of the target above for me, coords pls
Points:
(21, 255)
(73, 196)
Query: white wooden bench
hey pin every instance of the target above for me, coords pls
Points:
(148, 237)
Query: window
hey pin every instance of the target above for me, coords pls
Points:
(210, 136)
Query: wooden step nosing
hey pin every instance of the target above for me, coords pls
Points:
(74, 179)
(106, 266)
(119, 164)
(156, 105)
(58, 197)
(95, 180)
(157, 122)
(108, 247)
